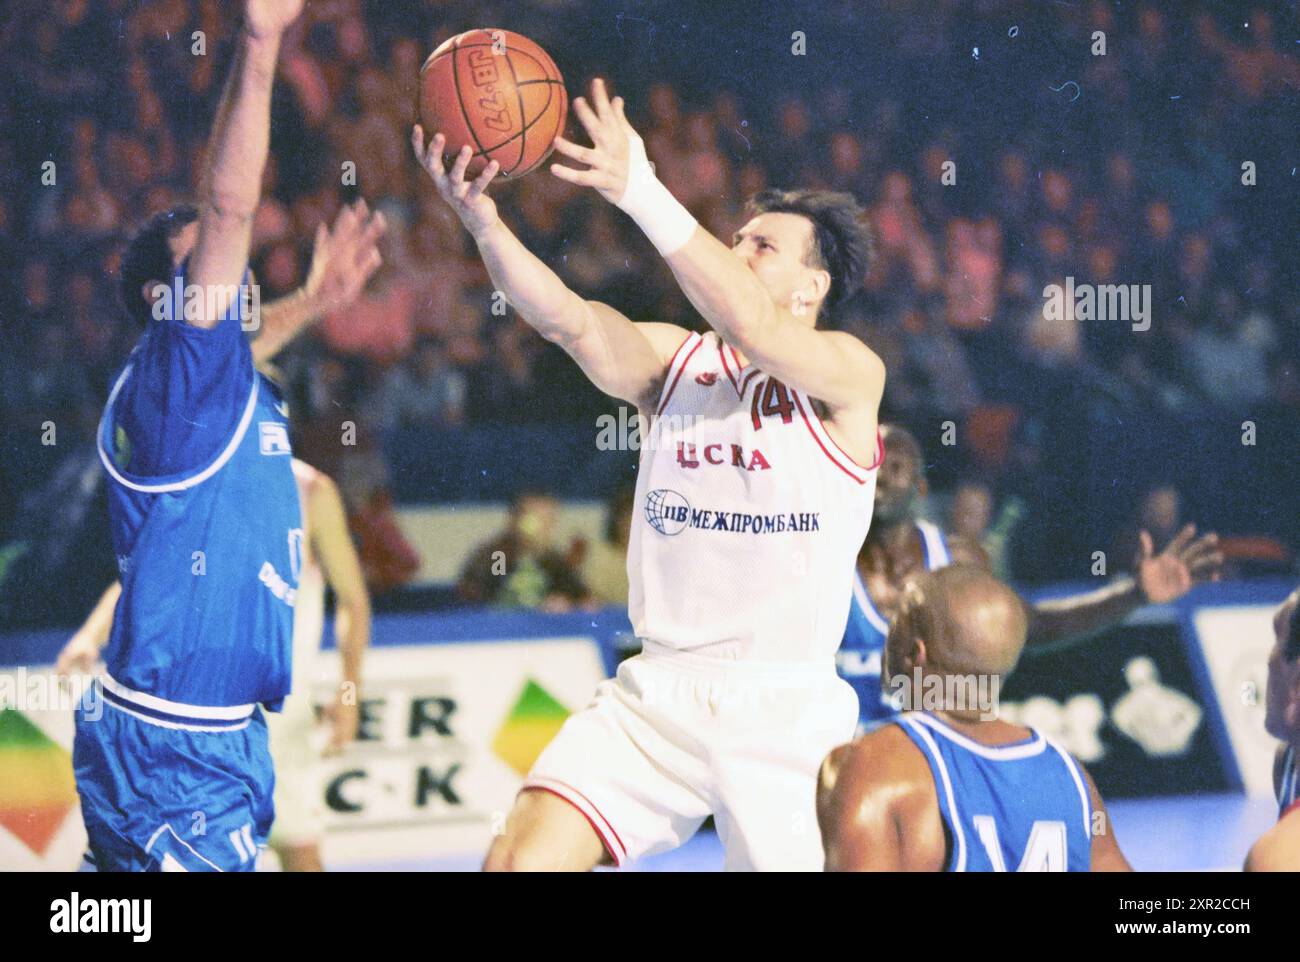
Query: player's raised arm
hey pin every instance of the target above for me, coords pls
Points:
(343, 258)
(624, 359)
(232, 178)
(1159, 578)
(774, 330)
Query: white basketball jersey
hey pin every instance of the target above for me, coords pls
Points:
(309, 605)
(748, 516)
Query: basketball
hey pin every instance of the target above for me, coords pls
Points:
(498, 92)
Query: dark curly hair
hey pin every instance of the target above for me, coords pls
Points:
(843, 244)
(148, 256)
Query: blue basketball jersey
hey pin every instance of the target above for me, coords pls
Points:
(861, 651)
(1022, 807)
(206, 527)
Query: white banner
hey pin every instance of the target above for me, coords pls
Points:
(1236, 641)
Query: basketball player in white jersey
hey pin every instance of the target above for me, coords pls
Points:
(328, 557)
(1278, 849)
(753, 495)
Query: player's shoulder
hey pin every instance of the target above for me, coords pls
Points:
(1278, 849)
(316, 486)
(885, 757)
(666, 339)
(856, 348)
(305, 474)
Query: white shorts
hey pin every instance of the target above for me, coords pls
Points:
(676, 737)
(296, 744)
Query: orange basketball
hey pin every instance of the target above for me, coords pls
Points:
(498, 92)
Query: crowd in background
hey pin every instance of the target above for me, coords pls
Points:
(995, 151)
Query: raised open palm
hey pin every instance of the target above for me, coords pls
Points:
(270, 18)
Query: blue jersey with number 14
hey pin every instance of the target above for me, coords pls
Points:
(1022, 807)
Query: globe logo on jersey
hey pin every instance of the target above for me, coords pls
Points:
(667, 511)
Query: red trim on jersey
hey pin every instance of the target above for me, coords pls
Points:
(617, 850)
(735, 359)
(813, 431)
(722, 353)
(880, 449)
(744, 382)
(672, 387)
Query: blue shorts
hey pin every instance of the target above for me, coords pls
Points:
(158, 798)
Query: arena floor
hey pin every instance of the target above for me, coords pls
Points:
(1198, 833)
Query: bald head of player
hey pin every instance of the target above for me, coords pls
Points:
(957, 621)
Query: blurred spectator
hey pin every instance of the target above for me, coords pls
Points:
(1229, 360)
(604, 562)
(521, 567)
(1160, 514)
(387, 559)
(972, 511)
(422, 391)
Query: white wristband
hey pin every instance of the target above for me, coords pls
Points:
(659, 214)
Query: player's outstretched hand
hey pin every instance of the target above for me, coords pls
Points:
(611, 137)
(1186, 561)
(265, 19)
(469, 199)
(344, 257)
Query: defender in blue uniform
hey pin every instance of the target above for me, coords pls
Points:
(863, 648)
(170, 752)
(901, 546)
(947, 786)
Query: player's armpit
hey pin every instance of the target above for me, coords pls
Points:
(625, 359)
(1106, 854)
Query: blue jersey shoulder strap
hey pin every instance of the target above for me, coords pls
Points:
(1021, 806)
(934, 544)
